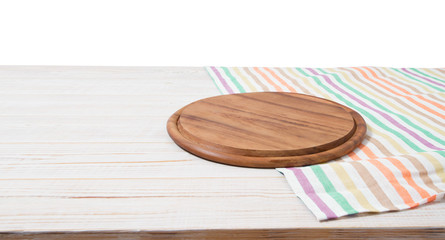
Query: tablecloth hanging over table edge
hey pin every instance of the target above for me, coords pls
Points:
(399, 165)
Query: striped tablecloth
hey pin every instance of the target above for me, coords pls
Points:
(399, 165)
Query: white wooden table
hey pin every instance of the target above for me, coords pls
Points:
(85, 149)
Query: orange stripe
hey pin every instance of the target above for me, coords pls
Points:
(388, 89)
(354, 156)
(268, 79)
(367, 151)
(280, 80)
(387, 82)
(432, 198)
(409, 179)
(432, 102)
(403, 193)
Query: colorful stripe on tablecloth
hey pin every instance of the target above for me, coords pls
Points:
(401, 162)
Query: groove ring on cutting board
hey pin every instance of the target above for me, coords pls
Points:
(267, 129)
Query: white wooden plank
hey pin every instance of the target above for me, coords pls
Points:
(85, 148)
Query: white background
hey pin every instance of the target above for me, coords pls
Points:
(315, 33)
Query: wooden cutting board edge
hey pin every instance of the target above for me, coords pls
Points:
(268, 162)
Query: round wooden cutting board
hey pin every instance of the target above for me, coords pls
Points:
(267, 129)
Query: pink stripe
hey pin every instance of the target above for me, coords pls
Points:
(224, 83)
(383, 114)
(309, 190)
(429, 80)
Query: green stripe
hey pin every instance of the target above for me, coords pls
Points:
(330, 189)
(406, 120)
(441, 153)
(364, 112)
(237, 84)
(415, 79)
(427, 75)
(213, 79)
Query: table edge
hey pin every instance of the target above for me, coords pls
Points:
(284, 233)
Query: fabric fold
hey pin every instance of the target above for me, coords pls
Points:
(400, 164)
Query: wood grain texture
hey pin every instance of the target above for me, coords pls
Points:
(267, 129)
(308, 233)
(85, 149)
